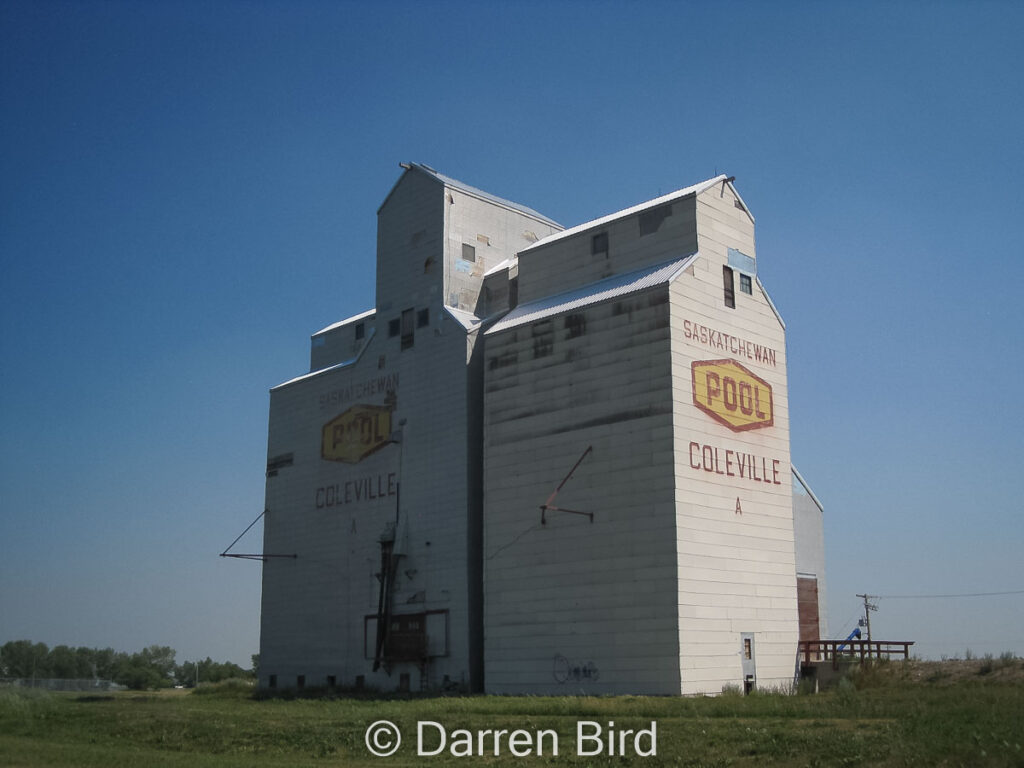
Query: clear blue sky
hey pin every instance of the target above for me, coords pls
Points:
(189, 190)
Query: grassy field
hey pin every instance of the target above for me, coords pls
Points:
(899, 715)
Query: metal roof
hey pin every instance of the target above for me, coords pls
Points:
(360, 316)
(337, 366)
(691, 190)
(603, 290)
(470, 190)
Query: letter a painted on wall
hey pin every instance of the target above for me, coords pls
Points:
(739, 509)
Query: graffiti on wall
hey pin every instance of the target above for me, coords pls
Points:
(574, 671)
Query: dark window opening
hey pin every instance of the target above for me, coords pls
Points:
(360, 330)
(504, 359)
(746, 284)
(381, 362)
(423, 318)
(272, 681)
(300, 681)
(730, 288)
(394, 327)
(576, 324)
(513, 293)
(407, 328)
(279, 462)
(543, 339)
(332, 681)
(650, 221)
(599, 244)
(468, 252)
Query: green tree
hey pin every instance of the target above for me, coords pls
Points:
(23, 658)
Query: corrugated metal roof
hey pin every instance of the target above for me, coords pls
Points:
(360, 316)
(344, 364)
(511, 261)
(806, 487)
(470, 190)
(603, 290)
(467, 320)
(691, 190)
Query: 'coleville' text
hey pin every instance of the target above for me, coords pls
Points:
(366, 488)
(730, 463)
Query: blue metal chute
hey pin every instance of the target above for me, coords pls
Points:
(849, 637)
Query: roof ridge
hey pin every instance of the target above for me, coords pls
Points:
(594, 293)
(469, 189)
(608, 218)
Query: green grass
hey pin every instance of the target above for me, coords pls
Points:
(880, 719)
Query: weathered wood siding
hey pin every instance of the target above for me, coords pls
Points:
(734, 534)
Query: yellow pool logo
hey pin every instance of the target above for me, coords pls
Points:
(732, 395)
(356, 433)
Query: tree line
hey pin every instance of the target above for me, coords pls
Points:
(152, 667)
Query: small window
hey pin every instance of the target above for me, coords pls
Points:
(360, 330)
(468, 252)
(394, 327)
(423, 318)
(730, 288)
(747, 650)
(272, 681)
(381, 362)
(575, 324)
(300, 681)
(599, 244)
(746, 284)
(407, 328)
(543, 339)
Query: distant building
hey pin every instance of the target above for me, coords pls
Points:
(635, 364)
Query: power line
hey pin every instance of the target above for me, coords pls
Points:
(966, 594)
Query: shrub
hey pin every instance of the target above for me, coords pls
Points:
(234, 686)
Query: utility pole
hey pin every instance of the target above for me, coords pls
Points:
(868, 608)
